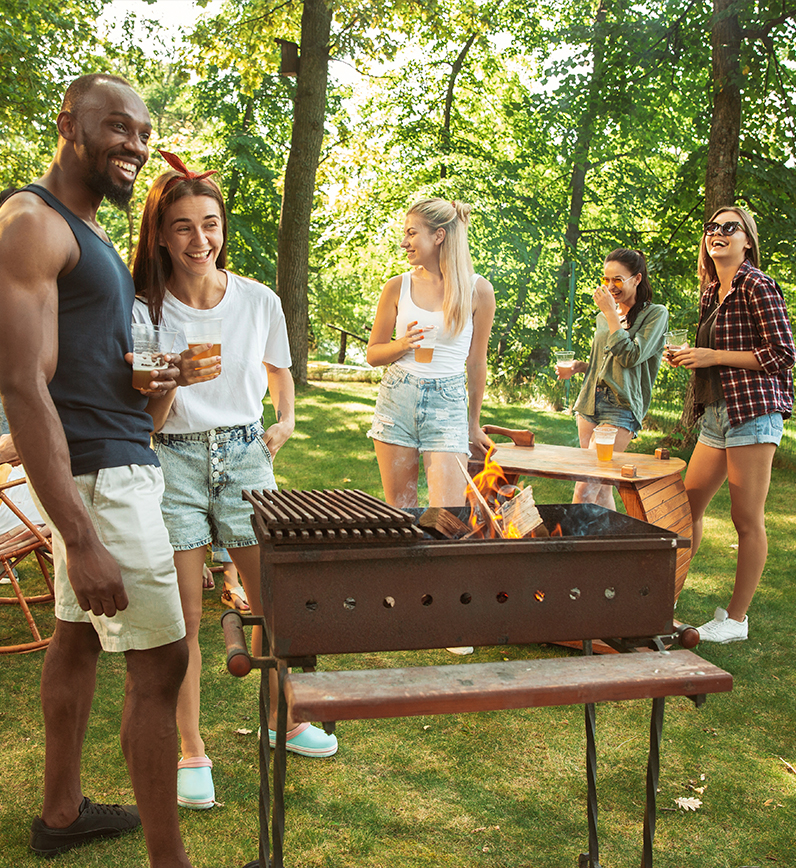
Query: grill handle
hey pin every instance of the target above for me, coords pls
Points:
(239, 663)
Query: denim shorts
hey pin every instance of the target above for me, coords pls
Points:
(429, 415)
(607, 410)
(205, 474)
(717, 432)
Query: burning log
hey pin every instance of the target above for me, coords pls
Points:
(438, 520)
(485, 508)
(519, 515)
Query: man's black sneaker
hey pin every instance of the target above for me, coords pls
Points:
(93, 821)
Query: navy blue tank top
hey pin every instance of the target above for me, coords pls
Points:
(103, 416)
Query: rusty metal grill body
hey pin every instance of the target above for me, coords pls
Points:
(344, 573)
(608, 575)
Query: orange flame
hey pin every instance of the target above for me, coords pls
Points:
(488, 481)
(557, 530)
(511, 532)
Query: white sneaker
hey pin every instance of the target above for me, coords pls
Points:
(723, 629)
(462, 651)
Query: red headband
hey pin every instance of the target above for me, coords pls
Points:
(187, 175)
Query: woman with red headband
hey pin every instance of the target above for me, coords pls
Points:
(743, 389)
(209, 438)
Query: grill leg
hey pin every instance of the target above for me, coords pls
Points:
(653, 769)
(264, 858)
(592, 858)
(280, 769)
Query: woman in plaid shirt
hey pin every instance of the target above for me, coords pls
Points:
(743, 390)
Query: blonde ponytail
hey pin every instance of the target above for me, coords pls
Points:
(454, 257)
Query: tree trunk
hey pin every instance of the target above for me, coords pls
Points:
(725, 134)
(725, 128)
(292, 273)
(580, 166)
(446, 125)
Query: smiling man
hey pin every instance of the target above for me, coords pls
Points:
(83, 435)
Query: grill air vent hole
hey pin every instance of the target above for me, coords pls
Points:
(312, 605)
(349, 603)
(426, 599)
(502, 596)
(389, 602)
(466, 598)
(610, 593)
(574, 594)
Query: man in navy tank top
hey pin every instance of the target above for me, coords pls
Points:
(83, 435)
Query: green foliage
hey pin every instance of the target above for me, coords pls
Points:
(43, 43)
(540, 91)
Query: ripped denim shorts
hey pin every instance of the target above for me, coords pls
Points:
(429, 415)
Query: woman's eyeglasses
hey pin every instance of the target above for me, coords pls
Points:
(728, 228)
(618, 282)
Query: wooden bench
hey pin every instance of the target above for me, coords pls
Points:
(466, 687)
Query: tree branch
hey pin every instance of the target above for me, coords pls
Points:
(762, 32)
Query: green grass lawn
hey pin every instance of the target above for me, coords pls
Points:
(495, 790)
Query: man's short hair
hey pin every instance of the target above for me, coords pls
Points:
(76, 92)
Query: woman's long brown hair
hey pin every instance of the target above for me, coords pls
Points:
(152, 265)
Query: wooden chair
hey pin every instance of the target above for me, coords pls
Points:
(27, 539)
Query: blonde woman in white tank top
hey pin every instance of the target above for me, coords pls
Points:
(422, 407)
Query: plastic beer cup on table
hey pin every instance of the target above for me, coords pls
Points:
(425, 352)
(604, 438)
(150, 345)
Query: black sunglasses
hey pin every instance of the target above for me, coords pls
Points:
(728, 228)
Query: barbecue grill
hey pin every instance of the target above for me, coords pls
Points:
(340, 567)
(342, 572)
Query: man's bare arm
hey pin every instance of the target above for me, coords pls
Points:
(36, 245)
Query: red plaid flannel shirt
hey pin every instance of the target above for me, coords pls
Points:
(753, 317)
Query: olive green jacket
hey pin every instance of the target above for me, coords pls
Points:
(626, 361)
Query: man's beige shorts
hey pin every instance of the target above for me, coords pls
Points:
(124, 506)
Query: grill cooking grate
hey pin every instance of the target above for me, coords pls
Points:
(332, 515)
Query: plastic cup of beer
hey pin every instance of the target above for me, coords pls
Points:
(150, 345)
(604, 438)
(204, 331)
(565, 359)
(675, 339)
(425, 352)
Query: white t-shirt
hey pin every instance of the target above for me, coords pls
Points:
(253, 331)
(450, 352)
(19, 495)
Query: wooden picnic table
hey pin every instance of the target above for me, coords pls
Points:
(651, 488)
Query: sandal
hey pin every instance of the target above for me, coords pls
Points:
(195, 788)
(208, 582)
(235, 598)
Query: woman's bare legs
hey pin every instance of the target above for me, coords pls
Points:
(704, 476)
(446, 482)
(189, 565)
(399, 467)
(748, 471)
(594, 492)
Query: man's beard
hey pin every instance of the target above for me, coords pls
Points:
(102, 184)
